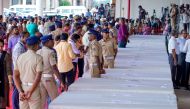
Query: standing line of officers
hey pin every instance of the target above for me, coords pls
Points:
(179, 58)
(35, 70)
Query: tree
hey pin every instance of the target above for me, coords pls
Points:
(64, 3)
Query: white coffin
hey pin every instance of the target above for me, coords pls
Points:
(107, 100)
(138, 86)
(135, 74)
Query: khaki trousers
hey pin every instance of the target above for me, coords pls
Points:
(48, 89)
(108, 63)
(94, 71)
(34, 102)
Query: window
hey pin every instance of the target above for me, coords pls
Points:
(19, 9)
(28, 2)
(14, 2)
(66, 11)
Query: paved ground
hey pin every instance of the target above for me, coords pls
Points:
(183, 99)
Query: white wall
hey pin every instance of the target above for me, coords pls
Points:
(184, 1)
(148, 5)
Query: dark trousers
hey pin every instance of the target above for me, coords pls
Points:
(15, 98)
(68, 77)
(122, 44)
(182, 69)
(174, 70)
(187, 74)
(81, 67)
(166, 43)
(74, 69)
(186, 26)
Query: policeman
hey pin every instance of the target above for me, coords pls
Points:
(109, 49)
(27, 75)
(95, 56)
(48, 83)
(58, 31)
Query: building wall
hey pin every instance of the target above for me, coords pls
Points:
(184, 1)
(148, 5)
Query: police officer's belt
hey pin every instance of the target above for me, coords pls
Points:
(27, 84)
(94, 65)
(47, 75)
(109, 57)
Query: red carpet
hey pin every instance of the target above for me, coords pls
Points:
(10, 99)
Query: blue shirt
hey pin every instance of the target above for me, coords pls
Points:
(181, 42)
(88, 14)
(17, 51)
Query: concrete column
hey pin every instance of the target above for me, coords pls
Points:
(24, 2)
(39, 7)
(11, 2)
(56, 3)
(19, 2)
(1, 7)
(74, 2)
(34, 2)
(89, 4)
(48, 5)
(122, 8)
(52, 4)
(83, 2)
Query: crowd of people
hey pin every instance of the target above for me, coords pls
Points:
(42, 56)
(177, 37)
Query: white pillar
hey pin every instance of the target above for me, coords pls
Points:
(1, 7)
(10, 2)
(56, 3)
(39, 7)
(74, 2)
(48, 5)
(83, 3)
(19, 2)
(89, 4)
(34, 2)
(24, 2)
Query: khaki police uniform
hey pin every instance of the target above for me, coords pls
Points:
(48, 83)
(108, 52)
(28, 64)
(56, 33)
(95, 51)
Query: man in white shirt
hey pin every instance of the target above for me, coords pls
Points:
(181, 58)
(187, 59)
(85, 41)
(174, 51)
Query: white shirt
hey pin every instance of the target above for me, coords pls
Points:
(187, 50)
(41, 29)
(185, 18)
(85, 39)
(181, 41)
(75, 49)
(173, 45)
